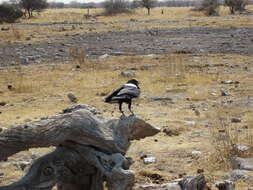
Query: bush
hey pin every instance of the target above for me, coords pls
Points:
(209, 7)
(236, 5)
(9, 13)
(113, 7)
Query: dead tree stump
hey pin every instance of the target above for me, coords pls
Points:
(89, 150)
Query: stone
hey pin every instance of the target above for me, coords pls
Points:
(5, 28)
(227, 82)
(196, 154)
(240, 175)
(149, 160)
(104, 56)
(225, 92)
(171, 132)
(236, 120)
(241, 148)
(225, 185)
(28, 38)
(24, 61)
(3, 103)
(242, 163)
(10, 87)
(128, 73)
(72, 97)
(190, 123)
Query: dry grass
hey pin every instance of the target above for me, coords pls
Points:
(40, 90)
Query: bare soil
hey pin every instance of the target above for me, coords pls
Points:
(206, 40)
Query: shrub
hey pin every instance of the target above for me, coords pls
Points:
(209, 7)
(113, 7)
(9, 13)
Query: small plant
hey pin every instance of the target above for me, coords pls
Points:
(78, 55)
(227, 137)
(16, 33)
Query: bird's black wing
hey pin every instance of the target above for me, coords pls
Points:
(109, 98)
(129, 92)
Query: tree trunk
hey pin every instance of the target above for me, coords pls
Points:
(148, 11)
(90, 150)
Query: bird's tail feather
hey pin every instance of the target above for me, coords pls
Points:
(108, 99)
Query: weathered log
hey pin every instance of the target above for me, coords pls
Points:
(90, 150)
(80, 126)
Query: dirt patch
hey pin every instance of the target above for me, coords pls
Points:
(139, 42)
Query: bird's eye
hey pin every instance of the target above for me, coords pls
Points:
(48, 171)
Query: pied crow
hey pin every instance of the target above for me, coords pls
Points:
(125, 94)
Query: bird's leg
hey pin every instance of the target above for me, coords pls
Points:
(129, 106)
(120, 107)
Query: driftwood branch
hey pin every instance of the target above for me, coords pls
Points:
(89, 150)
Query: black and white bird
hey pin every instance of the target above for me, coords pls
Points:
(125, 94)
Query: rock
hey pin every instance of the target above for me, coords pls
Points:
(104, 56)
(171, 132)
(22, 164)
(10, 87)
(242, 163)
(239, 148)
(240, 175)
(24, 61)
(236, 120)
(227, 82)
(27, 120)
(72, 97)
(1, 174)
(5, 28)
(190, 123)
(225, 92)
(149, 160)
(3, 103)
(128, 73)
(225, 185)
(28, 38)
(196, 153)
